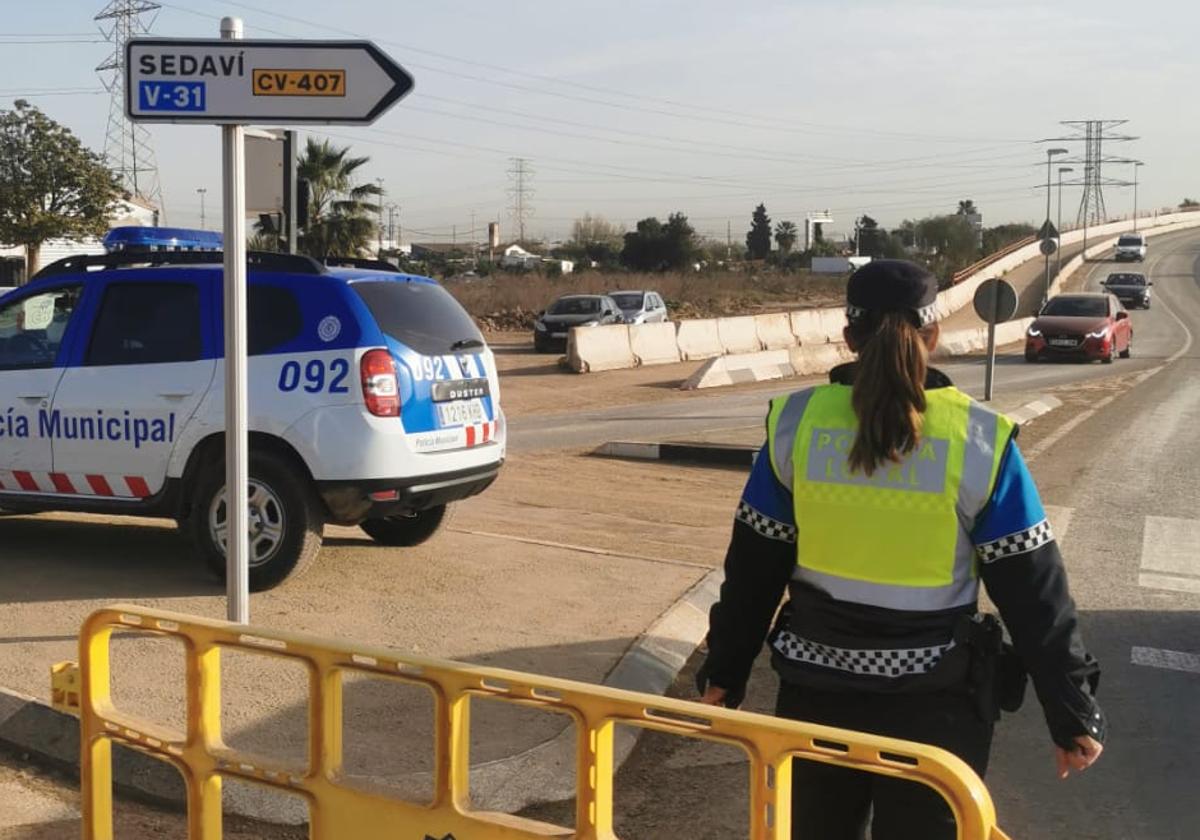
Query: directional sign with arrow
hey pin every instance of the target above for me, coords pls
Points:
(223, 81)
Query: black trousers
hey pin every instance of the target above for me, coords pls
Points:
(836, 803)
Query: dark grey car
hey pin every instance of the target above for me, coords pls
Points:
(1130, 288)
(551, 328)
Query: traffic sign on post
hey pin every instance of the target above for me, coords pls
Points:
(232, 82)
(995, 302)
(215, 81)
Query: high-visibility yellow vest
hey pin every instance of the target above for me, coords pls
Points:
(901, 537)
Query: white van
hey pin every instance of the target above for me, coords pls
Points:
(1130, 246)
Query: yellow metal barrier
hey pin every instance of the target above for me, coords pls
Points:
(342, 812)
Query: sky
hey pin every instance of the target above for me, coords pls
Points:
(626, 110)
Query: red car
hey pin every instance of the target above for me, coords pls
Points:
(1080, 326)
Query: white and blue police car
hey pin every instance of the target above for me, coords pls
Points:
(373, 401)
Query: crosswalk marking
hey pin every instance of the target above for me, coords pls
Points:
(1171, 554)
(1170, 660)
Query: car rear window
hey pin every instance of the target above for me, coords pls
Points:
(1130, 240)
(422, 316)
(1077, 307)
(574, 306)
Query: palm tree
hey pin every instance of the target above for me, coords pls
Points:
(341, 218)
(967, 208)
(785, 236)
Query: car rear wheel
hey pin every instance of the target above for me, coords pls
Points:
(406, 530)
(286, 520)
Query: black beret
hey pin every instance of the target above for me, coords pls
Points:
(892, 286)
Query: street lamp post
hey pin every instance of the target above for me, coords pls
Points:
(1137, 164)
(1050, 153)
(202, 191)
(1058, 254)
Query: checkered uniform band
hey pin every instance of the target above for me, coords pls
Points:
(765, 525)
(895, 662)
(926, 314)
(1021, 542)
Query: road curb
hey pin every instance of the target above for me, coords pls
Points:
(742, 456)
(708, 454)
(543, 773)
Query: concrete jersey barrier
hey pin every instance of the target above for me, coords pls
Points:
(775, 331)
(698, 339)
(738, 334)
(654, 344)
(591, 349)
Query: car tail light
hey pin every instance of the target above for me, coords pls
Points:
(381, 390)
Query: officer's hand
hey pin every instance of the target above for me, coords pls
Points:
(714, 695)
(1086, 753)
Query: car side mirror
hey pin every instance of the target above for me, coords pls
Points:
(1121, 316)
(1151, 283)
(608, 313)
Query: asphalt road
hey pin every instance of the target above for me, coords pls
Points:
(1156, 334)
(1122, 485)
(1120, 478)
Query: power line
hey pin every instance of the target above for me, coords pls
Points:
(127, 145)
(521, 174)
(736, 118)
(1091, 205)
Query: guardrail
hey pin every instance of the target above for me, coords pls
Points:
(959, 276)
(339, 810)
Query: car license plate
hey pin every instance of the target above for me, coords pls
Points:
(558, 335)
(1063, 342)
(460, 413)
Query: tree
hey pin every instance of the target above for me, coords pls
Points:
(967, 208)
(785, 236)
(654, 246)
(51, 185)
(595, 230)
(341, 219)
(995, 238)
(1189, 204)
(949, 243)
(758, 239)
(872, 239)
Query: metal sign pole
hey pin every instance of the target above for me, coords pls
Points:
(990, 374)
(237, 462)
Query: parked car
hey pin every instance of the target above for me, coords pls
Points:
(642, 307)
(551, 328)
(1080, 326)
(373, 400)
(1130, 289)
(1130, 246)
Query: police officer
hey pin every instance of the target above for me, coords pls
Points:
(879, 502)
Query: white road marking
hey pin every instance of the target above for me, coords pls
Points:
(1171, 554)
(1170, 660)
(1065, 429)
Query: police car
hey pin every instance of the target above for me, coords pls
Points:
(373, 401)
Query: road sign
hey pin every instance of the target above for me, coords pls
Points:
(231, 82)
(995, 301)
(1048, 246)
(223, 82)
(1048, 230)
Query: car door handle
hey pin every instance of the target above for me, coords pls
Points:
(174, 395)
